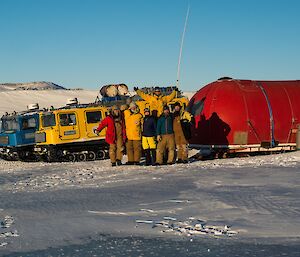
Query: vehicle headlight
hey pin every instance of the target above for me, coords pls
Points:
(40, 137)
(4, 140)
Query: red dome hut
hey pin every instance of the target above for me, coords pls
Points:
(243, 115)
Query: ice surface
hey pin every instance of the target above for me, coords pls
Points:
(55, 204)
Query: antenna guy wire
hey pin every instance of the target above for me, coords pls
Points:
(181, 46)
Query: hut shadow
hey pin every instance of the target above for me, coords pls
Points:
(213, 131)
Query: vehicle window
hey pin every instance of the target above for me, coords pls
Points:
(48, 120)
(28, 123)
(10, 124)
(93, 117)
(67, 119)
(195, 108)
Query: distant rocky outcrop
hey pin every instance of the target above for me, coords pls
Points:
(30, 86)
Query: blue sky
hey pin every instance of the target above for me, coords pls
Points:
(95, 42)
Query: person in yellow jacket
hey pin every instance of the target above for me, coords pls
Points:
(156, 100)
(133, 123)
(182, 130)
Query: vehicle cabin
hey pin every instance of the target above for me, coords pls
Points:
(68, 125)
(68, 134)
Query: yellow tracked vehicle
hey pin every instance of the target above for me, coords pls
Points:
(67, 134)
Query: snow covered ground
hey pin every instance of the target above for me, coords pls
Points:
(55, 204)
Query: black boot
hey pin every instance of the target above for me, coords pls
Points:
(148, 157)
(119, 163)
(153, 156)
(113, 164)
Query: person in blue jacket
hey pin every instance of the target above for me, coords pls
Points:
(149, 137)
(165, 137)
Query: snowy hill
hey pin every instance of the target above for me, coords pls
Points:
(17, 100)
(30, 86)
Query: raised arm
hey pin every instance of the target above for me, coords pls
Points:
(143, 95)
(170, 97)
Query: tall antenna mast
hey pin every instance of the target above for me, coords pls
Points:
(181, 45)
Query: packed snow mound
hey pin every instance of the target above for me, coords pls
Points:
(42, 85)
(17, 100)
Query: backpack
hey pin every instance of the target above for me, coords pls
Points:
(186, 128)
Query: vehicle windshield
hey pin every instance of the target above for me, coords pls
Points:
(93, 117)
(28, 123)
(48, 120)
(9, 124)
(67, 119)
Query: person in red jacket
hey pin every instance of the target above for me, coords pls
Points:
(115, 134)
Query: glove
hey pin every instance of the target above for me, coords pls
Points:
(176, 89)
(96, 132)
(158, 138)
(135, 88)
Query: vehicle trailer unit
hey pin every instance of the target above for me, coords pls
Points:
(17, 137)
(245, 116)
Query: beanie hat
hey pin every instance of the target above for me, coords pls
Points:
(166, 107)
(132, 104)
(123, 107)
(115, 107)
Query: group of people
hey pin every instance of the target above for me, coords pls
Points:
(158, 132)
